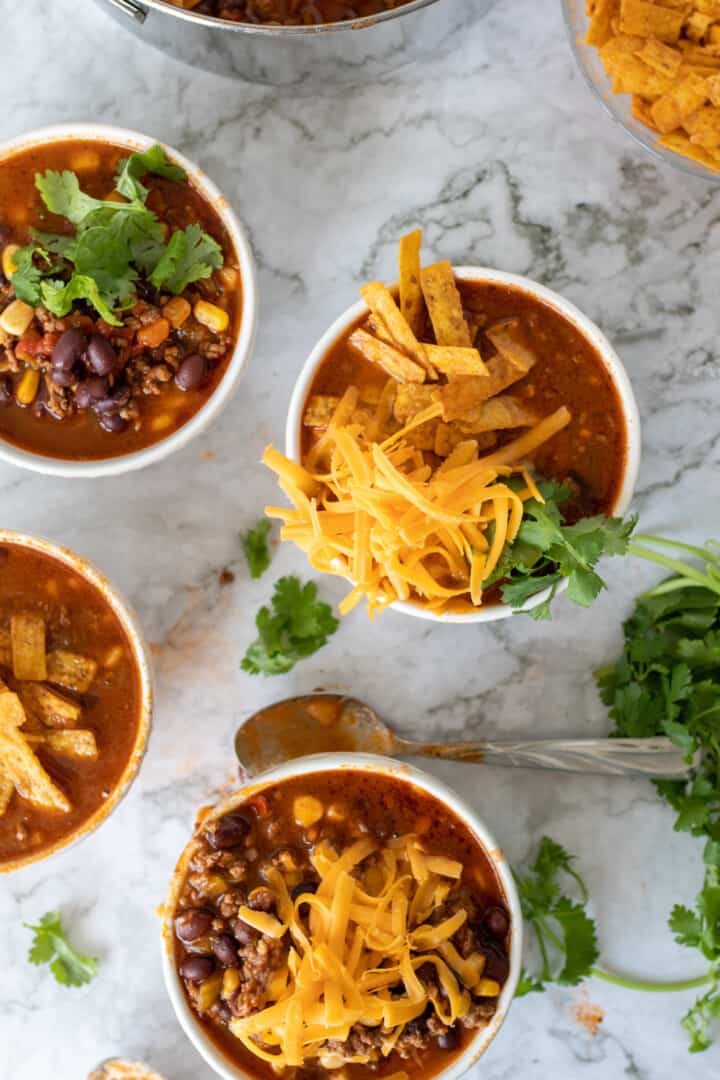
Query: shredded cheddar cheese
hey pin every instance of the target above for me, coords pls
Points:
(361, 935)
(378, 515)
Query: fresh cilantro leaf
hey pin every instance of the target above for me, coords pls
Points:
(546, 550)
(564, 932)
(256, 548)
(667, 681)
(528, 984)
(59, 297)
(28, 276)
(190, 256)
(155, 161)
(295, 626)
(50, 946)
(61, 194)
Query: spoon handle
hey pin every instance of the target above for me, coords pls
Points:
(656, 757)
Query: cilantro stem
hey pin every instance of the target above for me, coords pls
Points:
(628, 982)
(652, 987)
(690, 574)
(692, 549)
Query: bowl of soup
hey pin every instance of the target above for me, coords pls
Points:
(342, 916)
(127, 301)
(433, 420)
(75, 698)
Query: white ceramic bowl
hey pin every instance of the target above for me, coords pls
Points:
(613, 365)
(363, 763)
(141, 655)
(133, 140)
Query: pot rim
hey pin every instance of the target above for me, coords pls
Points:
(332, 762)
(141, 657)
(242, 349)
(263, 30)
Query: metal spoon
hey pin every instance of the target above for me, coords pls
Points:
(317, 723)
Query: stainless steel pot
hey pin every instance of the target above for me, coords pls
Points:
(356, 52)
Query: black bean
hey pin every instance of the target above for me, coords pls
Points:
(245, 934)
(192, 373)
(497, 965)
(68, 349)
(6, 390)
(497, 921)
(91, 390)
(118, 398)
(62, 376)
(197, 968)
(101, 356)
(229, 832)
(450, 1039)
(112, 422)
(304, 887)
(192, 924)
(225, 950)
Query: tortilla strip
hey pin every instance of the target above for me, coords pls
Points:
(449, 436)
(21, 766)
(466, 393)
(512, 341)
(27, 640)
(6, 790)
(379, 299)
(50, 708)
(11, 711)
(452, 360)
(410, 400)
(444, 305)
(412, 304)
(79, 743)
(498, 414)
(390, 359)
(319, 410)
(71, 670)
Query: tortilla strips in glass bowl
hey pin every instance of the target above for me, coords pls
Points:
(459, 447)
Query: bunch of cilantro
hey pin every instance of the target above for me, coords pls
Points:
(112, 245)
(667, 682)
(546, 550)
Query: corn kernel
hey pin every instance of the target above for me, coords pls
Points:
(85, 161)
(177, 311)
(487, 988)
(113, 656)
(228, 276)
(231, 981)
(161, 422)
(307, 810)
(209, 991)
(28, 387)
(154, 334)
(9, 266)
(16, 318)
(336, 812)
(212, 316)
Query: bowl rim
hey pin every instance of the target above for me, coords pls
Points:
(584, 325)
(235, 369)
(265, 30)
(667, 157)
(141, 656)
(332, 762)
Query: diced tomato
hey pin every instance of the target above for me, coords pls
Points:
(30, 344)
(260, 806)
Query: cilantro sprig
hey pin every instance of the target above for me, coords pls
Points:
(114, 243)
(256, 548)
(51, 946)
(564, 932)
(296, 625)
(546, 550)
(667, 682)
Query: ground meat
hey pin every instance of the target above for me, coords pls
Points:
(259, 962)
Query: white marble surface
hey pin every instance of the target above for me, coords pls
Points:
(505, 159)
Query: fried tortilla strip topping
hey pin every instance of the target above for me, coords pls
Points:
(20, 764)
(6, 791)
(71, 670)
(499, 414)
(411, 400)
(46, 705)
(27, 639)
(444, 305)
(319, 410)
(452, 360)
(5, 649)
(78, 744)
(390, 359)
(379, 299)
(651, 20)
(412, 304)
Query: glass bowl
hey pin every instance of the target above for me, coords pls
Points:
(619, 105)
